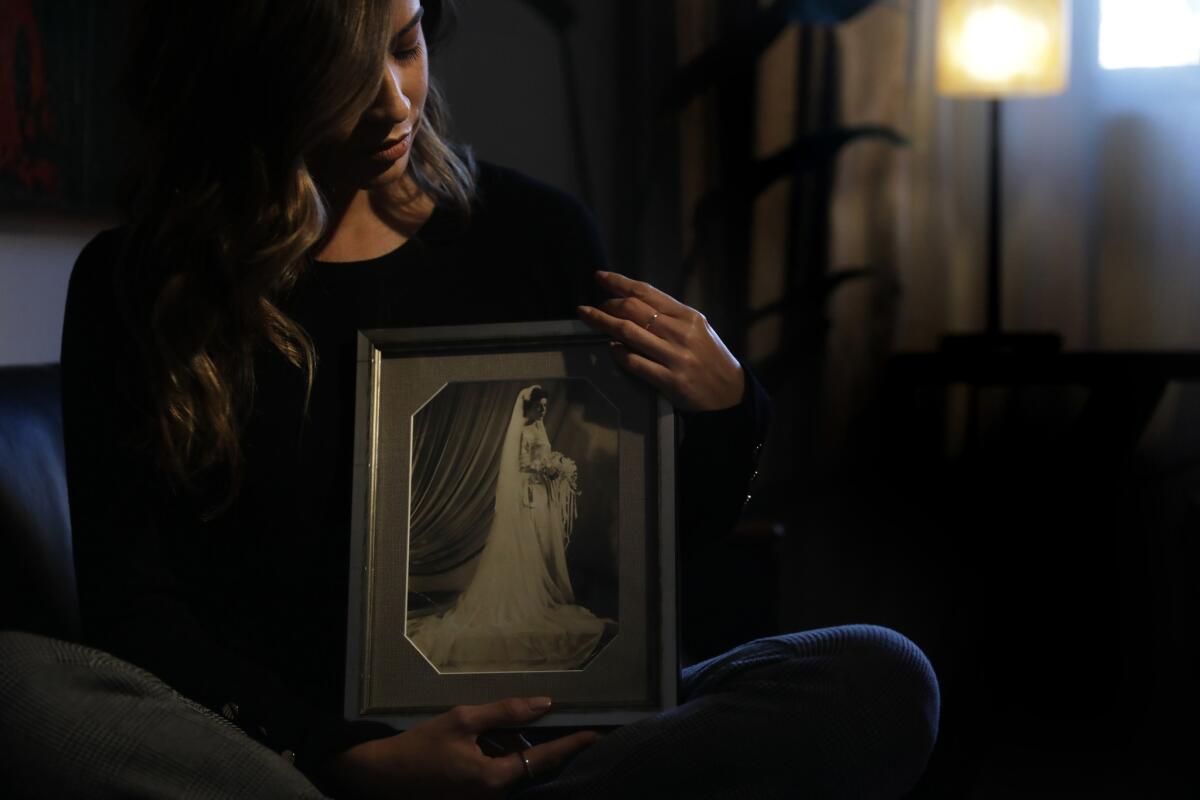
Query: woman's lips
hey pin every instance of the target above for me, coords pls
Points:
(394, 152)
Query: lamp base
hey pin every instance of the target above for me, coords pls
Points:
(1001, 343)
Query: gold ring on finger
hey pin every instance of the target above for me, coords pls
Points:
(650, 322)
(525, 763)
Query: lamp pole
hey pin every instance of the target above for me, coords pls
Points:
(993, 339)
(995, 240)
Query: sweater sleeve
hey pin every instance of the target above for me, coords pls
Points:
(718, 461)
(133, 600)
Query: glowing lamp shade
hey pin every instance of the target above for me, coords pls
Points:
(999, 48)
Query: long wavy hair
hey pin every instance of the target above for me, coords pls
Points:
(234, 97)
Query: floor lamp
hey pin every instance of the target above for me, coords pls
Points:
(990, 50)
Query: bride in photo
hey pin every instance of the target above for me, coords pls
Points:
(518, 613)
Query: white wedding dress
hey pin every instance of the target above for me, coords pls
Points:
(519, 612)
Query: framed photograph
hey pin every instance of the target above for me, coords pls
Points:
(513, 530)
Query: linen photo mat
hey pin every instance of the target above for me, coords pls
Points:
(404, 379)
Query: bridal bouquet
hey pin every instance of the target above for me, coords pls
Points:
(558, 467)
(563, 478)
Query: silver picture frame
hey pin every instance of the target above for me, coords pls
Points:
(402, 376)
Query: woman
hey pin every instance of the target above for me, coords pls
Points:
(548, 489)
(519, 612)
(299, 187)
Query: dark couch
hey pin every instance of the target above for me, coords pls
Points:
(37, 571)
(138, 750)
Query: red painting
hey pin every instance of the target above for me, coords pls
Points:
(63, 130)
(27, 132)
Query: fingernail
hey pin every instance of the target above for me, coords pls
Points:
(539, 703)
(584, 309)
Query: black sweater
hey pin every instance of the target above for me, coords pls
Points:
(246, 613)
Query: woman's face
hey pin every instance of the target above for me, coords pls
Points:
(378, 149)
(538, 410)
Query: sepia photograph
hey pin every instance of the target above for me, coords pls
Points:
(513, 527)
(512, 561)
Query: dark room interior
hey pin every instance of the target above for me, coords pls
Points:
(967, 282)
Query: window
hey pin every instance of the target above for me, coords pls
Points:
(1149, 33)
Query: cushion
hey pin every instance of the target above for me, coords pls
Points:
(37, 571)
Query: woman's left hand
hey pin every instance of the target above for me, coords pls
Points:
(668, 344)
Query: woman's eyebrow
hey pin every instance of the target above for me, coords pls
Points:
(412, 23)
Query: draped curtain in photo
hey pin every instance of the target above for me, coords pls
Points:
(456, 449)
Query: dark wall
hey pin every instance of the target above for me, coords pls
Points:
(510, 76)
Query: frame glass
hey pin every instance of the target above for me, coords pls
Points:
(513, 527)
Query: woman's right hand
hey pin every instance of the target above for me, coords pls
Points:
(441, 758)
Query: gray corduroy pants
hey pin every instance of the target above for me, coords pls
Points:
(848, 712)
